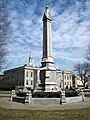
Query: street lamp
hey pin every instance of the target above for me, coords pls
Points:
(63, 78)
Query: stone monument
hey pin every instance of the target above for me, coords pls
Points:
(48, 69)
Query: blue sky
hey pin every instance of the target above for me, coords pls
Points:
(70, 31)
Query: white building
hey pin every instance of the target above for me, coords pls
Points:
(64, 79)
(20, 76)
(30, 77)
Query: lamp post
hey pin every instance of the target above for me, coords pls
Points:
(63, 78)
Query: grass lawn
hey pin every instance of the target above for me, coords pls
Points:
(5, 92)
(87, 95)
(12, 114)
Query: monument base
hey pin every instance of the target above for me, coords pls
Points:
(48, 78)
(51, 87)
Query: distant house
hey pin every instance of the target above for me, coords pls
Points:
(1, 80)
(77, 82)
(1, 77)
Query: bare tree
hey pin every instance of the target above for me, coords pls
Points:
(82, 71)
(87, 55)
(4, 28)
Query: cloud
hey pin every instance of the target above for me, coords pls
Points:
(70, 30)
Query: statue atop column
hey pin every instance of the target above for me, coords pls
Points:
(31, 61)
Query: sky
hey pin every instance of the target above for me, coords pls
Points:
(70, 31)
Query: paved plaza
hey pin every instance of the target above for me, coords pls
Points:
(5, 103)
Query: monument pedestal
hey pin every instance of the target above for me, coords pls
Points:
(48, 79)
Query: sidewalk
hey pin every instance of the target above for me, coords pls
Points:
(5, 103)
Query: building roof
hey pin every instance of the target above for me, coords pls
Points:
(22, 67)
(65, 71)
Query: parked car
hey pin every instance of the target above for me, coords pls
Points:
(71, 92)
(84, 90)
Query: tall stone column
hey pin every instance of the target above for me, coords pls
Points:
(47, 72)
(47, 39)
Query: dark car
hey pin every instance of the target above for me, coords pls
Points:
(71, 92)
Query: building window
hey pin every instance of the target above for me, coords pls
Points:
(65, 76)
(27, 82)
(26, 74)
(31, 82)
(60, 76)
(70, 83)
(70, 77)
(56, 73)
(60, 84)
(65, 83)
(31, 74)
(7, 78)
